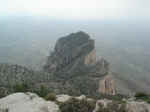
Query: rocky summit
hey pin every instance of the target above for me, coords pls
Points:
(74, 59)
(72, 53)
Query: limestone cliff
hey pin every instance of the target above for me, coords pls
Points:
(73, 53)
(74, 60)
(107, 85)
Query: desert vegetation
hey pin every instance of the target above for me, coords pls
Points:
(75, 105)
(113, 107)
(142, 96)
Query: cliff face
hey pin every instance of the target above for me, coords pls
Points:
(71, 52)
(107, 85)
(74, 58)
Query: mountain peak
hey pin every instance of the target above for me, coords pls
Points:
(71, 49)
(74, 57)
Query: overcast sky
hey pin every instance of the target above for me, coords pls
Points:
(78, 9)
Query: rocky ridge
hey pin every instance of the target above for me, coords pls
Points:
(30, 102)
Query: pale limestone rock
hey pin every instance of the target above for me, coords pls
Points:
(134, 106)
(107, 85)
(131, 106)
(90, 59)
(63, 98)
(81, 97)
(103, 102)
(90, 99)
(27, 102)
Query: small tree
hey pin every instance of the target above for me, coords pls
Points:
(43, 91)
(51, 97)
(21, 87)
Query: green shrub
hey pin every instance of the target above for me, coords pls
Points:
(143, 96)
(3, 92)
(148, 101)
(117, 97)
(74, 105)
(51, 97)
(139, 95)
(4, 110)
(113, 107)
(21, 87)
(43, 91)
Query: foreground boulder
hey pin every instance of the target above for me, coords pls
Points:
(30, 102)
(26, 102)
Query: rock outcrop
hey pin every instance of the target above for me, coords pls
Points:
(74, 58)
(73, 53)
(129, 106)
(26, 102)
(134, 106)
(63, 98)
(107, 85)
(30, 102)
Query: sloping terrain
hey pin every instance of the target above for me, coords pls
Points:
(125, 45)
(71, 68)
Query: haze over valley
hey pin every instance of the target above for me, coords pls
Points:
(26, 41)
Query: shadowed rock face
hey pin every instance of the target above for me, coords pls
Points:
(73, 53)
(74, 58)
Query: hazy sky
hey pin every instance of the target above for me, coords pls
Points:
(78, 9)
